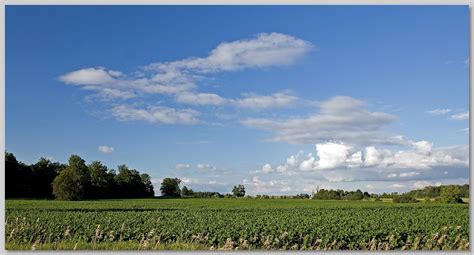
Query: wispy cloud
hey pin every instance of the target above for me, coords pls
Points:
(460, 116)
(439, 111)
(340, 118)
(182, 166)
(105, 149)
(155, 114)
(180, 79)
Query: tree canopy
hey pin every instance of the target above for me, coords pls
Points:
(238, 191)
(73, 181)
(170, 187)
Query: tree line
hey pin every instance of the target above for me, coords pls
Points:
(73, 181)
(170, 187)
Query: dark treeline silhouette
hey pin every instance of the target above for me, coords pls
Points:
(73, 181)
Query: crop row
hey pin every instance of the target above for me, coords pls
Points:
(289, 228)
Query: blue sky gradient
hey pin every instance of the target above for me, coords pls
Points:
(404, 68)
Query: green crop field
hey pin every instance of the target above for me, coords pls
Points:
(239, 224)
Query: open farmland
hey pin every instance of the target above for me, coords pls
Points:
(242, 224)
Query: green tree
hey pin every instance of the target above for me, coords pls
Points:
(451, 194)
(185, 192)
(44, 172)
(18, 178)
(148, 191)
(238, 191)
(72, 183)
(170, 187)
(129, 183)
(102, 181)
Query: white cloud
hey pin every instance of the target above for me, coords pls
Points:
(340, 118)
(355, 160)
(109, 93)
(105, 149)
(267, 49)
(409, 174)
(254, 101)
(267, 168)
(155, 114)
(460, 116)
(308, 164)
(258, 186)
(200, 98)
(182, 166)
(332, 155)
(337, 155)
(205, 167)
(398, 185)
(179, 79)
(186, 180)
(439, 111)
(87, 76)
(423, 184)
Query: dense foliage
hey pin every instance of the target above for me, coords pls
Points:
(340, 195)
(73, 181)
(238, 191)
(170, 187)
(404, 198)
(271, 224)
(435, 191)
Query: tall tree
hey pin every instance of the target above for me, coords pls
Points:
(129, 182)
(72, 183)
(185, 192)
(44, 172)
(18, 178)
(102, 181)
(170, 187)
(148, 191)
(238, 191)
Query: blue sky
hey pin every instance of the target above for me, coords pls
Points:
(222, 95)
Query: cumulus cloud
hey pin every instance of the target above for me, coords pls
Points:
(439, 111)
(88, 76)
(105, 149)
(267, 168)
(340, 118)
(182, 166)
(155, 114)
(460, 116)
(337, 155)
